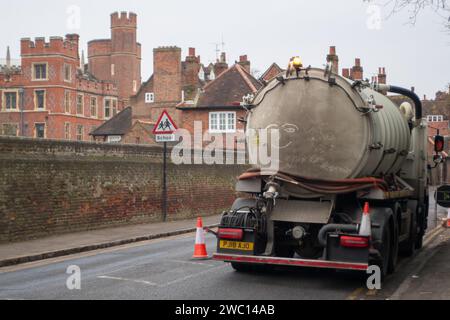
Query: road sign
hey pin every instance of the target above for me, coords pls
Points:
(443, 196)
(165, 125)
(165, 138)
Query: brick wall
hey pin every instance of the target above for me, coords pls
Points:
(53, 187)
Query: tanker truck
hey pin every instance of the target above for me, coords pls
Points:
(351, 187)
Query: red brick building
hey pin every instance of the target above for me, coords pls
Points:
(118, 59)
(217, 107)
(50, 96)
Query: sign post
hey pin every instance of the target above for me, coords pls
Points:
(164, 132)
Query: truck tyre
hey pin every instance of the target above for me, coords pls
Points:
(393, 255)
(409, 246)
(384, 248)
(421, 213)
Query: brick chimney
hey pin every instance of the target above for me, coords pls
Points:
(221, 65)
(357, 72)
(167, 74)
(191, 68)
(382, 75)
(244, 62)
(346, 73)
(334, 58)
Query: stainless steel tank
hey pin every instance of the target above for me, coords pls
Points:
(327, 131)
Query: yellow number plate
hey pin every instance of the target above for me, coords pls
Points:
(235, 245)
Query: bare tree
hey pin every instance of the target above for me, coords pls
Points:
(440, 7)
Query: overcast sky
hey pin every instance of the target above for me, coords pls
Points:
(266, 31)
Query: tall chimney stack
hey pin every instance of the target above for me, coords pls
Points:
(244, 62)
(357, 71)
(333, 58)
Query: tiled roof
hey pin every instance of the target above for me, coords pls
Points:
(118, 125)
(273, 68)
(228, 89)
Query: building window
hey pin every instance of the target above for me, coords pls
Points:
(10, 129)
(93, 107)
(222, 122)
(114, 104)
(10, 100)
(40, 71)
(114, 139)
(435, 118)
(149, 97)
(39, 130)
(80, 104)
(67, 101)
(67, 73)
(107, 108)
(112, 69)
(80, 132)
(134, 85)
(67, 131)
(39, 99)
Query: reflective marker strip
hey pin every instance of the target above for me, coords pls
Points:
(292, 262)
(200, 236)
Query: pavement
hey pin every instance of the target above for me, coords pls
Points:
(66, 244)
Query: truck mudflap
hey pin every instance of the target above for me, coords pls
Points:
(291, 262)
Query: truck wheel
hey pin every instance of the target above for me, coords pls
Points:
(393, 256)
(421, 232)
(409, 247)
(385, 252)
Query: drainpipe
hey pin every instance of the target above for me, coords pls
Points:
(22, 125)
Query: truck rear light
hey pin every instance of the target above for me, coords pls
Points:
(354, 242)
(231, 234)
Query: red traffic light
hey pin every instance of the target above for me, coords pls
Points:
(438, 143)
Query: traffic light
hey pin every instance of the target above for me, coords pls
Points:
(438, 143)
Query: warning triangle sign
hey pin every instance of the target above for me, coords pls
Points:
(165, 124)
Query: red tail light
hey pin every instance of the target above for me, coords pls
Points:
(232, 234)
(354, 242)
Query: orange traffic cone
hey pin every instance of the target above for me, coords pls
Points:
(200, 246)
(365, 229)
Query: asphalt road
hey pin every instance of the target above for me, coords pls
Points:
(163, 269)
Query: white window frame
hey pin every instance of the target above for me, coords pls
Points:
(33, 71)
(67, 102)
(69, 67)
(35, 130)
(67, 135)
(92, 98)
(13, 124)
(149, 97)
(105, 100)
(82, 104)
(216, 128)
(36, 105)
(16, 107)
(82, 132)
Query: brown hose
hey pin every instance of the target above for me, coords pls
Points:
(321, 185)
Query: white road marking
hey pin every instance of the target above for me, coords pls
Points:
(130, 280)
(193, 275)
